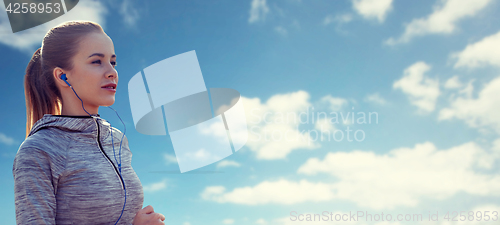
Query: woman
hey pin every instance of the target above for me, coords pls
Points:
(63, 171)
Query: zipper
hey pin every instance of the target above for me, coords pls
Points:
(104, 153)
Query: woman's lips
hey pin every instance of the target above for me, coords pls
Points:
(109, 89)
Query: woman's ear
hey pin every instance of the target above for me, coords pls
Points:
(57, 73)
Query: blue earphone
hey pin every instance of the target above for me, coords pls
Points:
(64, 78)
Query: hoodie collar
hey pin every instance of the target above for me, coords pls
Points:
(78, 124)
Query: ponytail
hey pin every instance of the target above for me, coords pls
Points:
(41, 97)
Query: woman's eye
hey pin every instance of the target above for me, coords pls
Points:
(99, 62)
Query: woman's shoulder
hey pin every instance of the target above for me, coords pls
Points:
(41, 150)
(45, 140)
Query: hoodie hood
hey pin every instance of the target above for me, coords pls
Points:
(83, 125)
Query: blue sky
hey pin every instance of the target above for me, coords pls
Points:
(429, 69)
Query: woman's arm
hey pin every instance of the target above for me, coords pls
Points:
(33, 187)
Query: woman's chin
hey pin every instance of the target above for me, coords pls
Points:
(108, 102)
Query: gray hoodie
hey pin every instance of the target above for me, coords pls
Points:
(65, 173)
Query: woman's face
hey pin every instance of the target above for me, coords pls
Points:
(93, 69)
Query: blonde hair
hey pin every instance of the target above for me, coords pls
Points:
(59, 46)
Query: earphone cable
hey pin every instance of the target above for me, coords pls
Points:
(112, 144)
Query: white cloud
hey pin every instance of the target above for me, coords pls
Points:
(261, 221)
(324, 124)
(404, 176)
(453, 83)
(400, 178)
(496, 145)
(169, 159)
(372, 9)
(228, 221)
(376, 98)
(295, 23)
(4, 139)
(467, 90)
(481, 53)
(328, 19)
(29, 40)
(443, 19)
(335, 103)
(212, 129)
(422, 91)
(186, 223)
(226, 163)
(154, 187)
(339, 19)
(211, 191)
(281, 30)
(200, 155)
(129, 13)
(273, 125)
(276, 192)
(479, 112)
(258, 11)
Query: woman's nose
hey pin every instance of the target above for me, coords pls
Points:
(112, 73)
